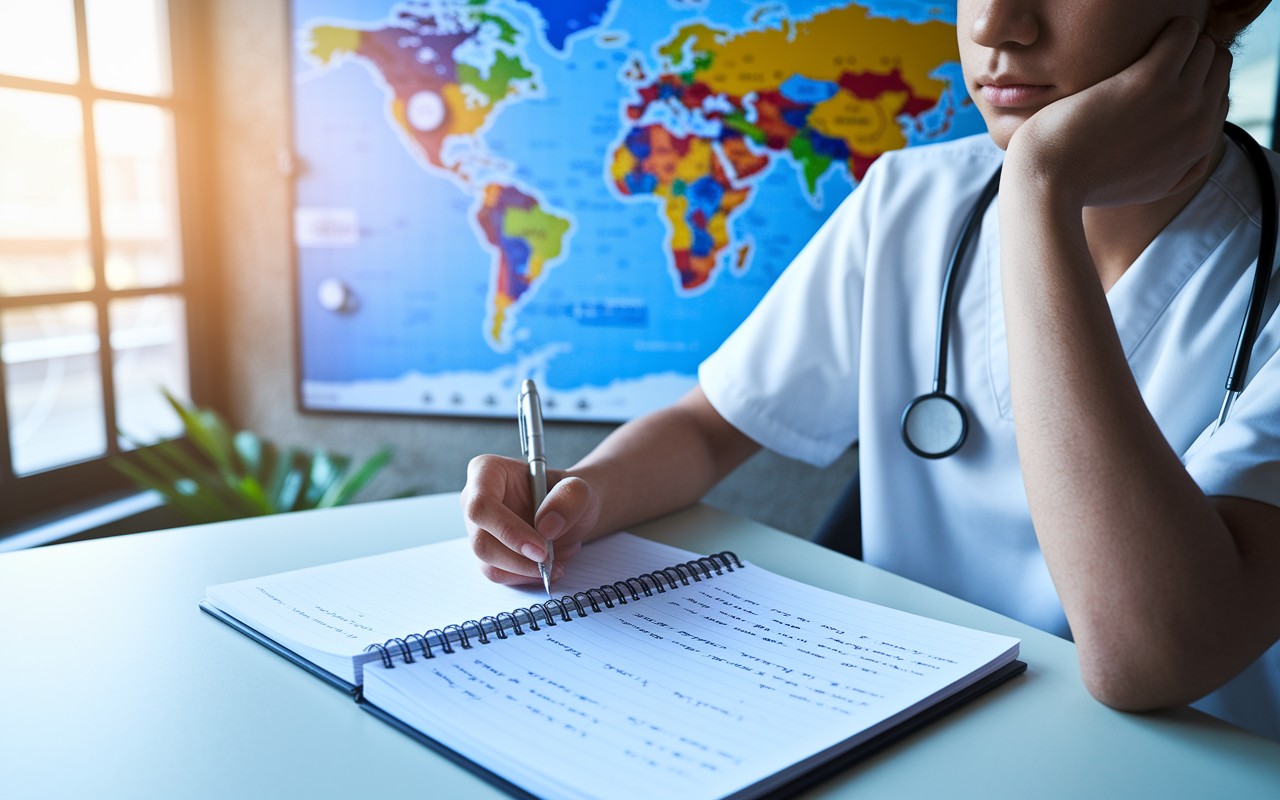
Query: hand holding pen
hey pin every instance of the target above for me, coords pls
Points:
(509, 532)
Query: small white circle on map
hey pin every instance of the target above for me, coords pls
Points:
(334, 295)
(425, 111)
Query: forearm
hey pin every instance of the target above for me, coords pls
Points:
(1149, 574)
(661, 462)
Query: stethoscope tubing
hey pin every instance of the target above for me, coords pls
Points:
(1266, 258)
(969, 233)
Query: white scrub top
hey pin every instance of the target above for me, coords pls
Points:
(845, 339)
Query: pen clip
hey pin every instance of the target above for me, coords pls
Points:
(524, 431)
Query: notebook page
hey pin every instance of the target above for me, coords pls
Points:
(698, 692)
(330, 614)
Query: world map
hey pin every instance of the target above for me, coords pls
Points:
(591, 193)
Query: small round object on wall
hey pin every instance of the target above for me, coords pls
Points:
(336, 296)
(934, 425)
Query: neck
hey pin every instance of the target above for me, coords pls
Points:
(1118, 235)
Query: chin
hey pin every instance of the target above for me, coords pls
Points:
(1001, 128)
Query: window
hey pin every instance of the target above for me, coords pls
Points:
(96, 281)
(1255, 73)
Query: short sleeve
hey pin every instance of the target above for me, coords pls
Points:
(788, 376)
(1242, 458)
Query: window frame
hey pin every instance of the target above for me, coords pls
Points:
(44, 492)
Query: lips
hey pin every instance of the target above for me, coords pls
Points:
(1014, 95)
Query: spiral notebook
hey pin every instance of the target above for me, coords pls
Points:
(657, 672)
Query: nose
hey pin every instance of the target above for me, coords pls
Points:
(1002, 23)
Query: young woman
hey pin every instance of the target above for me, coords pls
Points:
(1095, 495)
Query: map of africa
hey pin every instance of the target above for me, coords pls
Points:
(591, 193)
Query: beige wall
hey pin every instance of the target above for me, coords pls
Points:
(250, 251)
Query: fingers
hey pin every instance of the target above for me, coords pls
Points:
(1173, 47)
(565, 506)
(493, 553)
(496, 509)
(498, 574)
(488, 501)
(1198, 60)
(1224, 106)
(1218, 79)
(500, 565)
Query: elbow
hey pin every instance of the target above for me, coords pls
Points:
(1118, 690)
(1127, 681)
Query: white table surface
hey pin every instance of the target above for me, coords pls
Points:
(116, 685)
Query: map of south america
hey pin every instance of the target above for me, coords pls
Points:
(526, 240)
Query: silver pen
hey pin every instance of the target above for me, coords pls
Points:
(530, 416)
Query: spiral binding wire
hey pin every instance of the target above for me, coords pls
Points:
(497, 625)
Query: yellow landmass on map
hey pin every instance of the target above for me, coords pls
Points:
(500, 305)
(823, 48)
(463, 116)
(541, 230)
(327, 40)
(868, 126)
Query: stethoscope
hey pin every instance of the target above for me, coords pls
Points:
(935, 425)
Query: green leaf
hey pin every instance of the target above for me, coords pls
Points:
(192, 511)
(249, 449)
(196, 509)
(210, 482)
(340, 493)
(267, 467)
(207, 432)
(287, 498)
(279, 488)
(250, 491)
(324, 473)
(226, 475)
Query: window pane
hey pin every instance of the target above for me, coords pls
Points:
(53, 385)
(1254, 74)
(139, 194)
(129, 45)
(38, 40)
(44, 215)
(149, 340)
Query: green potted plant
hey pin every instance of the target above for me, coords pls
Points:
(232, 476)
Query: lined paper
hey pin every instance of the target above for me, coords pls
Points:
(330, 614)
(704, 691)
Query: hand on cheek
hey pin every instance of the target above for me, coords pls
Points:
(1136, 137)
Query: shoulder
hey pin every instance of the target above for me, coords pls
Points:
(971, 156)
(968, 152)
(946, 172)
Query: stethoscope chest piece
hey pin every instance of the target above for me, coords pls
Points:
(934, 425)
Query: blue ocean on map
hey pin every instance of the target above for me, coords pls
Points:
(556, 197)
